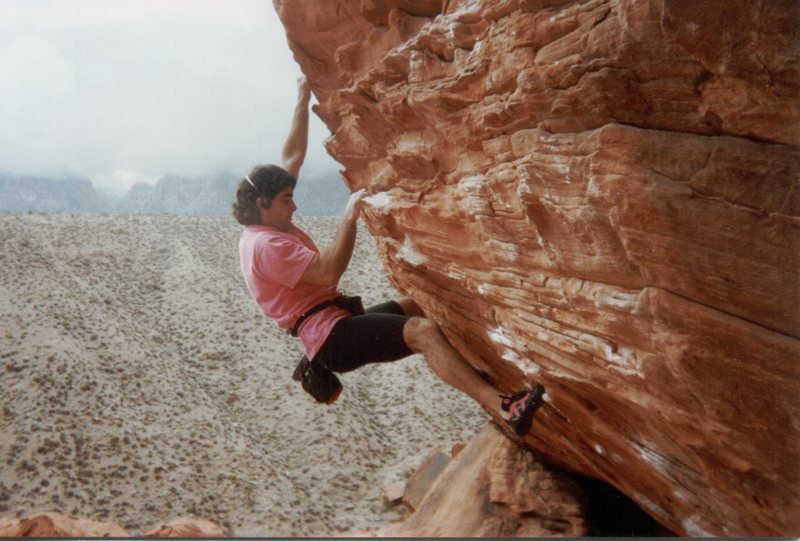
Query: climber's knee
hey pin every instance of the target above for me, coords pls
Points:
(410, 307)
(420, 333)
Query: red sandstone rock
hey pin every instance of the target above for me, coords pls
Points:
(58, 525)
(393, 492)
(495, 488)
(600, 195)
(187, 527)
(424, 477)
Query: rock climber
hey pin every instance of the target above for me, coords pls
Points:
(296, 286)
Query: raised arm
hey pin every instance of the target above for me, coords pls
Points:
(294, 149)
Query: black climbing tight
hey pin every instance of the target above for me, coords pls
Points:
(374, 337)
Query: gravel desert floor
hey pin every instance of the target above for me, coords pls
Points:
(141, 382)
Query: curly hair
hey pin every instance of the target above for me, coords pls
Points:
(268, 181)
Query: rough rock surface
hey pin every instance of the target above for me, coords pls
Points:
(423, 478)
(601, 195)
(187, 527)
(495, 488)
(58, 525)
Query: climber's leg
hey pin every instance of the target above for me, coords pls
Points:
(404, 306)
(410, 307)
(374, 337)
(424, 336)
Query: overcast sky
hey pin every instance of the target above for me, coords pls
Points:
(122, 91)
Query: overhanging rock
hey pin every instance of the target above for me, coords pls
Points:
(602, 196)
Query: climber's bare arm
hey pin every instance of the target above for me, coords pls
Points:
(294, 149)
(328, 266)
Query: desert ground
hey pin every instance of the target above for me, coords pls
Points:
(139, 382)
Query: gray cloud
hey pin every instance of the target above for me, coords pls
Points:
(122, 91)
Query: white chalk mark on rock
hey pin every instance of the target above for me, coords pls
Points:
(409, 253)
(379, 201)
(622, 359)
(528, 367)
(506, 250)
(652, 457)
(658, 510)
(693, 529)
(599, 449)
(498, 336)
(617, 299)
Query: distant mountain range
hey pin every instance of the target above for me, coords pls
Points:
(49, 195)
(320, 194)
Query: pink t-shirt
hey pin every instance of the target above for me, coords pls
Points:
(273, 261)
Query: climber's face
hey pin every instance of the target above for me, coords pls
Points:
(280, 211)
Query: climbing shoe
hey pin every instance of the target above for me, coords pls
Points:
(506, 401)
(522, 405)
(318, 381)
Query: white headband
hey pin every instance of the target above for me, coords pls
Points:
(247, 178)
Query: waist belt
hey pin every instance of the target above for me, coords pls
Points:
(351, 304)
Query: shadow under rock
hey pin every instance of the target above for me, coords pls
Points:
(612, 514)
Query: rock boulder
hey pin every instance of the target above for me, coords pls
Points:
(54, 524)
(494, 488)
(602, 196)
(58, 525)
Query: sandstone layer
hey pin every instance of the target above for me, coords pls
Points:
(58, 525)
(602, 196)
(494, 488)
